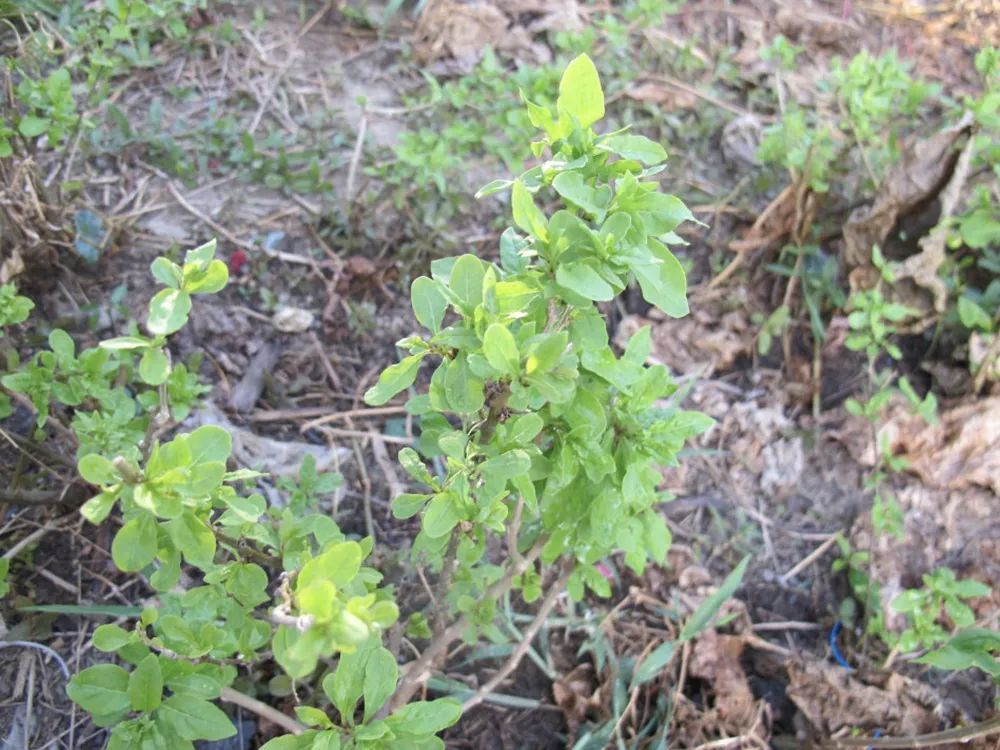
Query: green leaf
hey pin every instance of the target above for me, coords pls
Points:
(248, 583)
(972, 315)
(653, 664)
(154, 367)
(209, 280)
(637, 147)
(395, 378)
(663, 283)
(584, 280)
(466, 281)
(31, 126)
(710, 607)
(408, 505)
(193, 538)
(344, 686)
(168, 311)
(381, 673)
(463, 390)
(167, 273)
(201, 255)
(500, 350)
(506, 466)
(126, 343)
(527, 215)
(493, 186)
(426, 717)
(302, 741)
(97, 470)
(429, 303)
(580, 93)
(145, 684)
(312, 716)
(134, 546)
(441, 516)
(571, 186)
(109, 638)
(101, 689)
(196, 719)
(209, 444)
(339, 564)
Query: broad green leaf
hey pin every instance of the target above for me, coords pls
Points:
(206, 281)
(702, 616)
(345, 686)
(441, 516)
(196, 719)
(154, 367)
(571, 186)
(395, 378)
(527, 216)
(972, 315)
(637, 147)
(506, 465)
(381, 673)
(463, 390)
(101, 689)
(202, 254)
(209, 443)
(408, 505)
(584, 280)
(145, 684)
(96, 469)
(248, 583)
(312, 716)
(429, 303)
(167, 273)
(134, 546)
(426, 717)
(193, 538)
(339, 564)
(168, 311)
(525, 428)
(466, 281)
(411, 462)
(663, 284)
(500, 349)
(31, 126)
(580, 93)
(110, 638)
(302, 741)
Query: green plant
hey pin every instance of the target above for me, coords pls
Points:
(547, 441)
(941, 593)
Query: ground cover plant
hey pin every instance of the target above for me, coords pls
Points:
(560, 465)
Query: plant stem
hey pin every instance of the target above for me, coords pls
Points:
(514, 659)
(416, 672)
(270, 713)
(958, 734)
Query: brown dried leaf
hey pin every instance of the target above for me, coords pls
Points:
(462, 30)
(707, 340)
(716, 659)
(832, 700)
(920, 173)
(667, 97)
(961, 451)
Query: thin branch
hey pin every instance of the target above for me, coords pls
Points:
(958, 734)
(417, 672)
(263, 710)
(548, 603)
